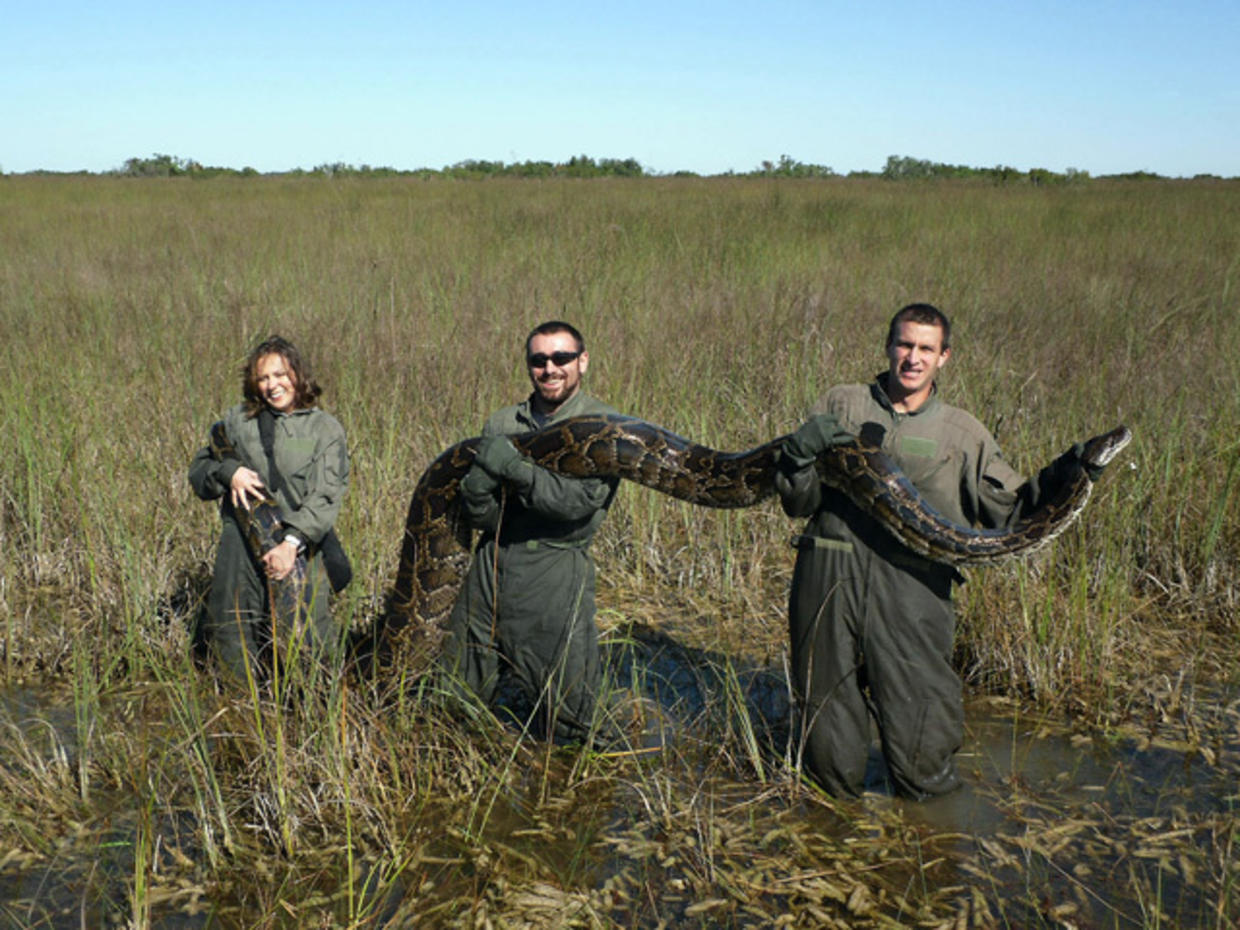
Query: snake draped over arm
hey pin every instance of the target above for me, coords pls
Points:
(435, 550)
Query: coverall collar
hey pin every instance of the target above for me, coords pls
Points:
(570, 408)
(878, 391)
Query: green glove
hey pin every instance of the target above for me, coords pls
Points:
(817, 434)
(478, 482)
(499, 457)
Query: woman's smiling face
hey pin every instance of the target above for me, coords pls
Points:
(276, 383)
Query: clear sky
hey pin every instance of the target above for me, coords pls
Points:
(1104, 87)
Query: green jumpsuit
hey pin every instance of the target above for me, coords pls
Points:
(312, 458)
(528, 598)
(870, 622)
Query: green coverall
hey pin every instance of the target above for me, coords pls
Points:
(528, 597)
(870, 622)
(312, 458)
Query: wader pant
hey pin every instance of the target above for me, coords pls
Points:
(543, 630)
(870, 636)
(239, 624)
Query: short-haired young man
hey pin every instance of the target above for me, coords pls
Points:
(871, 623)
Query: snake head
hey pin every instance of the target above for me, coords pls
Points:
(1100, 450)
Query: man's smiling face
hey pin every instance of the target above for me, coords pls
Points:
(916, 354)
(555, 383)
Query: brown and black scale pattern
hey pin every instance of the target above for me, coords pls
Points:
(435, 549)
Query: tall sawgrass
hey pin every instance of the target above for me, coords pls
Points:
(720, 309)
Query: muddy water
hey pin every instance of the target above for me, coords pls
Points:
(1059, 829)
(1133, 828)
(1152, 809)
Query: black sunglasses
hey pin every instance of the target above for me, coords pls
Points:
(540, 359)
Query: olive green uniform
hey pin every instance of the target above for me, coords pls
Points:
(870, 622)
(529, 595)
(312, 458)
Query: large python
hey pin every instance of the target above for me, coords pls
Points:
(435, 549)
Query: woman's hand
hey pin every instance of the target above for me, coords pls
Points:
(278, 562)
(246, 484)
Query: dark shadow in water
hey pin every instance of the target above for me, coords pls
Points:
(691, 687)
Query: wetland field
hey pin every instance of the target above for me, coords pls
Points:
(1102, 755)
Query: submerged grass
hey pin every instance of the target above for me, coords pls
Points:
(719, 309)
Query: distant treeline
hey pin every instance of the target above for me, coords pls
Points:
(897, 168)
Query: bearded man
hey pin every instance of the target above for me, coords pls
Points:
(528, 598)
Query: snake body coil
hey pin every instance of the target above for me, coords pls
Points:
(435, 550)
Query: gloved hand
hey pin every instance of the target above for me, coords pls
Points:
(499, 457)
(817, 434)
(478, 483)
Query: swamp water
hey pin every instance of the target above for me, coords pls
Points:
(1052, 829)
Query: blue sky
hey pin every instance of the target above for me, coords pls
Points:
(1103, 87)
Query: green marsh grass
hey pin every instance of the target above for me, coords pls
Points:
(718, 308)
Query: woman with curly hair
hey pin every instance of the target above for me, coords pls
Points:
(304, 466)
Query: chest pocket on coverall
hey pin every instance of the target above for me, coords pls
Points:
(295, 459)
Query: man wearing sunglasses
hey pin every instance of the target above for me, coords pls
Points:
(528, 600)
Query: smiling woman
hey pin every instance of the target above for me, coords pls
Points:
(278, 445)
(275, 382)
